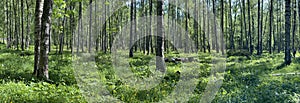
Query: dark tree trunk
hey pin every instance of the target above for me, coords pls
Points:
(208, 29)
(150, 28)
(72, 27)
(110, 37)
(280, 45)
(199, 21)
(241, 41)
(231, 27)
(222, 28)
(294, 23)
(104, 30)
(166, 46)
(186, 45)
(287, 32)
(22, 16)
(271, 30)
(259, 29)
(62, 35)
(249, 27)
(216, 45)
(16, 34)
(160, 65)
(7, 22)
(135, 26)
(9, 37)
(79, 27)
(277, 26)
(244, 24)
(131, 30)
(205, 32)
(195, 26)
(298, 17)
(95, 27)
(234, 24)
(28, 25)
(90, 27)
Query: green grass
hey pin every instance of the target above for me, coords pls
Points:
(245, 79)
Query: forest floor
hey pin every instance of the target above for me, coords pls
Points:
(254, 79)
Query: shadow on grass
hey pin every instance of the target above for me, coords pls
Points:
(9, 75)
(296, 60)
(281, 66)
(243, 75)
(16, 68)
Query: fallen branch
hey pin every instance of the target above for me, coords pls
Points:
(284, 74)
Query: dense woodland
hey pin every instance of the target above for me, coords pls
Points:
(259, 39)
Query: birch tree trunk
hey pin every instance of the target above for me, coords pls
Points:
(37, 32)
(46, 29)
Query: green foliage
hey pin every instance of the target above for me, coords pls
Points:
(18, 85)
(244, 53)
(245, 80)
(39, 92)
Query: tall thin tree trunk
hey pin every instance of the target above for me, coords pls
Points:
(37, 32)
(196, 26)
(222, 28)
(208, 28)
(294, 23)
(277, 26)
(16, 34)
(208, 35)
(131, 30)
(7, 22)
(241, 41)
(244, 23)
(46, 29)
(72, 26)
(205, 18)
(90, 27)
(79, 27)
(28, 25)
(135, 25)
(95, 27)
(160, 64)
(148, 38)
(199, 31)
(231, 27)
(287, 32)
(62, 35)
(110, 39)
(280, 26)
(9, 40)
(104, 30)
(259, 29)
(216, 45)
(270, 27)
(298, 18)
(150, 27)
(143, 27)
(186, 28)
(22, 16)
(166, 46)
(249, 27)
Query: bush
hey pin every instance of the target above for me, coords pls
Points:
(39, 92)
(238, 53)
